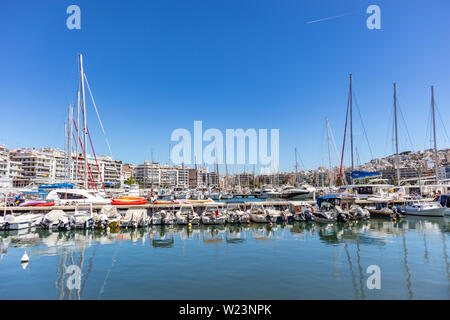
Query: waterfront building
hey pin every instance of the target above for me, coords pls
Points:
(148, 174)
(10, 171)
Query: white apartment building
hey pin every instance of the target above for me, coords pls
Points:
(48, 165)
(9, 170)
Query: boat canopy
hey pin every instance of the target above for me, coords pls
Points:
(364, 174)
(64, 185)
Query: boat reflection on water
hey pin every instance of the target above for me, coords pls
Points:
(162, 236)
(349, 248)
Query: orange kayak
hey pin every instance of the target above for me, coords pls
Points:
(128, 201)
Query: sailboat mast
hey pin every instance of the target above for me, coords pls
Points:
(351, 117)
(152, 170)
(434, 135)
(66, 135)
(296, 167)
(78, 125)
(83, 102)
(396, 134)
(69, 139)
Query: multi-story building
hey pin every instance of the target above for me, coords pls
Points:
(183, 177)
(10, 171)
(147, 174)
(128, 171)
(202, 176)
(37, 167)
(168, 176)
(244, 179)
(48, 165)
(192, 178)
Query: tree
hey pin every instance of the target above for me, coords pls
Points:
(129, 181)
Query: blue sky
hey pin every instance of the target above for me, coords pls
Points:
(158, 65)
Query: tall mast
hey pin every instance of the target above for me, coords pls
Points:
(151, 169)
(69, 139)
(83, 102)
(66, 149)
(329, 153)
(78, 125)
(217, 166)
(226, 169)
(351, 117)
(296, 167)
(434, 135)
(396, 134)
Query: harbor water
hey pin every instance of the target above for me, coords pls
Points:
(256, 261)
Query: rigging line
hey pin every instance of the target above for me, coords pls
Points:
(387, 134)
(404, 122)
(98, 115)
(343, 144)
(88, 166)
(95, 157)
(428, 129)
(334, 144)
(442, 122)
(362, 123)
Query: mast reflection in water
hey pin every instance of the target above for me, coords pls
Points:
(256, 261)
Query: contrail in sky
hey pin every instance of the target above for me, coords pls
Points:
(328, 18)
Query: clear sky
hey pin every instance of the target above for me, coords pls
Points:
(158, 65)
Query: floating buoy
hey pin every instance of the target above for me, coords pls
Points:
(248, 221)
(270, 223)
(394, 219)
(25, 258)
(189, 225)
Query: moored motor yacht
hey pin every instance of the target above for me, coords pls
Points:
(156, 218)
(425, 208)
(212, 215)
(258, 213)
(186, 214)
(168, 218)
(74, 196)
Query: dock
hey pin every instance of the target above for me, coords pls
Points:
(154, 207)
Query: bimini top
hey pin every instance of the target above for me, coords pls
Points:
(64, 185)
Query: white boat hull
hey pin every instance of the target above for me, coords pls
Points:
(429, 212)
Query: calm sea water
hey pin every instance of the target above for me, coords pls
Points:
(290, 261)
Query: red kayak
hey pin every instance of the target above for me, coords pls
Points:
(123, 201)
